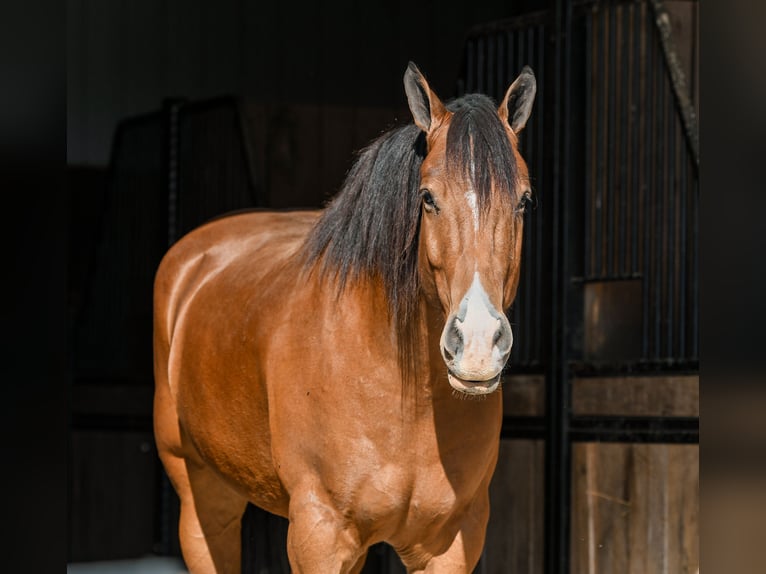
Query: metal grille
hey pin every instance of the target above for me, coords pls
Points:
(641, 187)
(492, 58)
(169, 172)
(638, 208)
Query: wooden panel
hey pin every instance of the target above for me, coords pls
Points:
(635, 509)
(637, 396)
(112, 495)
(524, 395)
(515, 533)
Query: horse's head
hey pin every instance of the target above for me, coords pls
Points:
(474, 184)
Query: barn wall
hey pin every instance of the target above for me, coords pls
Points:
(123, 58)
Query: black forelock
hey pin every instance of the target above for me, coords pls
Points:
(478, 137)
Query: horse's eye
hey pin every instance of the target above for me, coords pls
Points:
(428, 201)
(525, 200)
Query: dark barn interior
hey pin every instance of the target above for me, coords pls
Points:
(181, 111)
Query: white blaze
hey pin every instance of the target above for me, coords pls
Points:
(470, 195)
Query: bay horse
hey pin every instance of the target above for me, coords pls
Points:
(313, 362)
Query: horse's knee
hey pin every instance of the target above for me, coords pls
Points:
(320, 540)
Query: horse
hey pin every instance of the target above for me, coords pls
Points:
(317, 363)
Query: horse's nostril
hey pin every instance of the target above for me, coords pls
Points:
(453, 341)
(502, 338)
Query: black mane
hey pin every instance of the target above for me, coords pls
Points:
(370, 229)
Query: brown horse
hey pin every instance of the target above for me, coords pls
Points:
(313, 363)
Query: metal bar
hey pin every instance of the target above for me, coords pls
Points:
(624, 64)
(660, 195)
(528, 138)
(172, 145)
(523, 427)
(539, 213)
(683, 263)
(610, 203)
(491, 80)
(679, 430)
(677, 78)
(648, 126)
(670, 267)
(589, 152)
(635, 132)
(597, 196)
(557, 395)
(470, 66)
(500, 78)
(481, 84)
(693, 280)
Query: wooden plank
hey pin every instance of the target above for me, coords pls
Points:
(524, 395)
(514, 540)
(667, 395)
(635, 508)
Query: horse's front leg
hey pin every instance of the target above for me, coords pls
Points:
(319, 539)
(465, 550)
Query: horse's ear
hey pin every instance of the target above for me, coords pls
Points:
(518, 100)
(426, 107)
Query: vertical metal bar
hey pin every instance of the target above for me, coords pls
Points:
(557, 444)
(509, 70)
(171, 108)
(683, 263)
(647, 187)
(500, 78)
(528, 140)
(489, 88)
(670, 267)
(693, 280)
(481, 83)
(635, 190)
(470, 68)
(625, 160)
(661, 194)
(589, 153)
(540, 177)
(172, 118)
(597, 196)
(610, 201)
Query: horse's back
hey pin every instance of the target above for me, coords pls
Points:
(260, 239)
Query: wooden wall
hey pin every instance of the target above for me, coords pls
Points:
(635, 509)
(515, 532)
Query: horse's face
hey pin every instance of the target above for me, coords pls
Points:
(470, 239)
